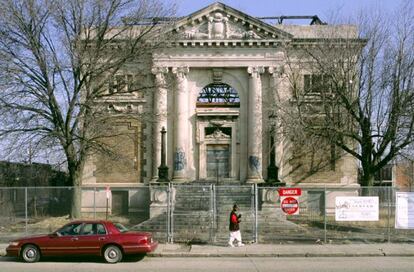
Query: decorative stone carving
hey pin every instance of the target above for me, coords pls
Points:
(125, 108)
(270, 195)
(160, 94)
(255, 71)
(276, 71)
(219, 27)
(197, 32)
(217, 75)
(218, 134)
(159, 196)
(180, 72)
(159, 69)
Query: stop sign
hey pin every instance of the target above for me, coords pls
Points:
(290, 205)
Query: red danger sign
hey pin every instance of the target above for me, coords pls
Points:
(290, 192)
(289, 205)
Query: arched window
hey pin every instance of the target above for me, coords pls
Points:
(218, 95)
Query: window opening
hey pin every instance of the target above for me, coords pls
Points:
(218, 94)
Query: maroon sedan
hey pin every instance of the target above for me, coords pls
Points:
(99, 238)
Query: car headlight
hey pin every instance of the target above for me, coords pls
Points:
(13, 243)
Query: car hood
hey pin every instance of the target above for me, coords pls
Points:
(32, 237)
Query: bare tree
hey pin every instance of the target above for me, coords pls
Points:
(358, 93)
(58, 58)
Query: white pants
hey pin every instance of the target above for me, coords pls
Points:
(235, 235)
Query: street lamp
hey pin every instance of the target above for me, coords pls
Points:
(163, 169)
(272, 169)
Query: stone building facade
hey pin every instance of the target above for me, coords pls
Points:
(214, 91)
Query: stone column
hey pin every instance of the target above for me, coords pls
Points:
(180, 132)
(254, 133)
(160, 116)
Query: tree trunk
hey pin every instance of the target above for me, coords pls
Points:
(75, 181)
(75, 211)
(367, 180)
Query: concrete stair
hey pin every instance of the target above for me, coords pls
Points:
(194, 220)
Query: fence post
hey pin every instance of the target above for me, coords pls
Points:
(171, 212)
(168, 213)
(94, 202)
(389, 197)
(256, 203)
(214, 211)
(25, 209)
(324, 215)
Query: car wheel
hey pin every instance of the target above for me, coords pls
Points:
(30, 254)
(112, 254)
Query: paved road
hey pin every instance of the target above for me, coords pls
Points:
(217, 264)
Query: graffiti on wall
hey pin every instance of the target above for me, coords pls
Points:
(179, 160)
(254, 163)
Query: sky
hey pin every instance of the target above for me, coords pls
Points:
(261, 8)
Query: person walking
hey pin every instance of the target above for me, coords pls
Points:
(235, 228)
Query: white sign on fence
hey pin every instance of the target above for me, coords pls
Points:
(404, 210)
(356, 208)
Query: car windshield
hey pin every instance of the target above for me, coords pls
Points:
(120, 227)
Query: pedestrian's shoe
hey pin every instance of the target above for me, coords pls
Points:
(230, 245)
(240, 245)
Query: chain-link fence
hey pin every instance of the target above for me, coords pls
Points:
(194, 213)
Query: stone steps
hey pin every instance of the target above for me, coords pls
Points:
(193, 220)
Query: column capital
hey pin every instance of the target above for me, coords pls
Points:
(276, 71)
(159, 70)
(181, 71)
(255, 70)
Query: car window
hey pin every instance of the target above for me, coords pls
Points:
(72, 229)
(88, 229)
(120, 227)
(100, 229)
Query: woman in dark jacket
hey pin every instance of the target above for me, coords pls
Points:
(234, 227)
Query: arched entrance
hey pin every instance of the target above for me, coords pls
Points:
(217, 115)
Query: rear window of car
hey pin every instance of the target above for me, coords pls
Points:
(100, 229)
(120, 227)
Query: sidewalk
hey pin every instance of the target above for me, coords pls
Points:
(270, 250)
(273, 250)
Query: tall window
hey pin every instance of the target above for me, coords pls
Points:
(315, 83)
(123, 84)
(218, 94)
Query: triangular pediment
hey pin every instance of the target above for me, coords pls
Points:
(221, 22)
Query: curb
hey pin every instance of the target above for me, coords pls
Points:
(272, 253)
(275, 255)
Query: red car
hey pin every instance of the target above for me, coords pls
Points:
(98, 237)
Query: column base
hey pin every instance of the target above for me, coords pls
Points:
(180, 180)
(254, 180)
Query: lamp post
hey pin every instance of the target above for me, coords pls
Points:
(272, 169)
(163, 169)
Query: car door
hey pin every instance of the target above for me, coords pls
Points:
(64, 241)
(91, 239)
